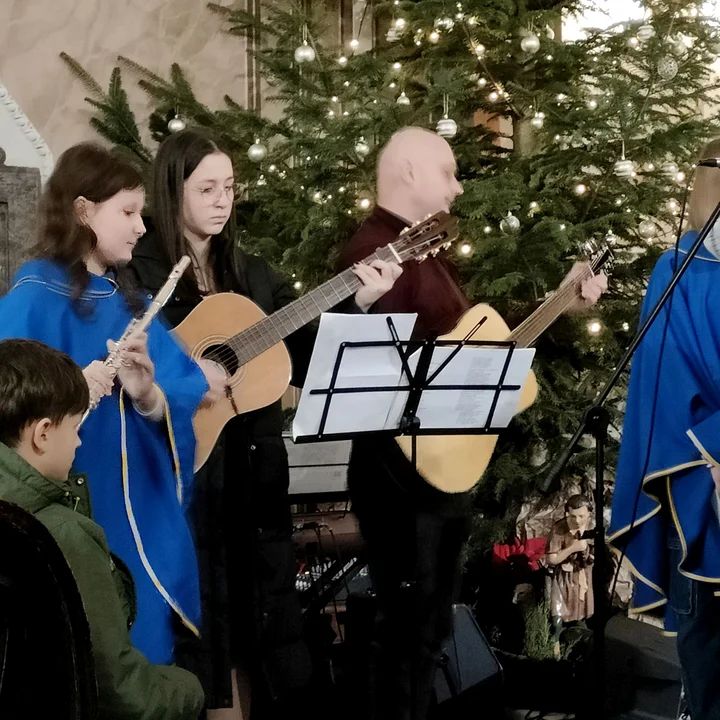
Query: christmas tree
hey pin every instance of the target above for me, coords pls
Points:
(558, 143)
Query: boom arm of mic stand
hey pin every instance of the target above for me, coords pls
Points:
(550, 482)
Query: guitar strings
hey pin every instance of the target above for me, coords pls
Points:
(554, 307)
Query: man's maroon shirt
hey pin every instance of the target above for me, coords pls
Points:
(429, 288)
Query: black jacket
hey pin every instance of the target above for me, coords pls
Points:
(241, 512)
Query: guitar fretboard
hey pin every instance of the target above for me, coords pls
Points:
(269, 331)
(535, 325)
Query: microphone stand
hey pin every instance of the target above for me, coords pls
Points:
(596, 423)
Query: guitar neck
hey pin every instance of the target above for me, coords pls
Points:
(269, 331)
(536, 324)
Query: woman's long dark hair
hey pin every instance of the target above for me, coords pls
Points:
(90, 171)
(176, 160)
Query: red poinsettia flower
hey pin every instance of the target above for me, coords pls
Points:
(517, 553)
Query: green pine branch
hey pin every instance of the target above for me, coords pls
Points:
(116, 122)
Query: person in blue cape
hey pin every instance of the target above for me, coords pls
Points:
(138, 445)
(665, 509)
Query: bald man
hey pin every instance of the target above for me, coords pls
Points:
(413, 533)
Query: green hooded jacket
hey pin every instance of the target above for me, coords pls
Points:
(129, 686)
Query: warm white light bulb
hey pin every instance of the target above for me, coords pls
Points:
(594, 327)
(354, 43)
(466, 248)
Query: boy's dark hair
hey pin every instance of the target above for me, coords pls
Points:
(36, 382)
(575, 502)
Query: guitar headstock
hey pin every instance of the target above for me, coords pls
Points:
(601, 257)
(426, 237)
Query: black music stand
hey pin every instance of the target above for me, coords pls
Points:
(417, 382)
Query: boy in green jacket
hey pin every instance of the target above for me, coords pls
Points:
(43, 395)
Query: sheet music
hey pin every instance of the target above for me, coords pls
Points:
(361, 367)
(466, 408)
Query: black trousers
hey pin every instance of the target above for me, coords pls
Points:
(414, 538)
(697, 610)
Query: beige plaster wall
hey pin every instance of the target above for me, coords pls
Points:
(154, 33)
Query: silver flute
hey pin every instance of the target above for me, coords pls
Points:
(114, 359)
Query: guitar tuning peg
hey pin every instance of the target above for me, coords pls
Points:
(434, 252)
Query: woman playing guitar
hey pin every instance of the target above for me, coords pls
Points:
(240, 511)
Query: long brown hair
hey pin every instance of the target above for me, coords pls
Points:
(90, 171)
(176, 160)
(705, 194)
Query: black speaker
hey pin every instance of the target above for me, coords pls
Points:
(469, 679)
(468, 682)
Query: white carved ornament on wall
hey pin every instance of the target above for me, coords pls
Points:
(23, 144)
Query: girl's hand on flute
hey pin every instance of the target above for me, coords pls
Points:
(99, 378)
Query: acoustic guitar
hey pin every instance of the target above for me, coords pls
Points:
(234, 332)
(455, 463)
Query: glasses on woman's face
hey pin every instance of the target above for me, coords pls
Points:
(212, 194)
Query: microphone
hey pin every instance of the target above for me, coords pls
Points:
(710, 162)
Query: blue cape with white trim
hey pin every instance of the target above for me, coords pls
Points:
(662, 474)
(139, 472)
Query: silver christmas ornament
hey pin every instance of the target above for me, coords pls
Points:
(509, 224)
(677, 47)
(549, 33)
(538, 120)
(670, 170)
(446, 127)
(176, 125)
(647, 229)
(304, 53)
(392, 34)
(361, 148)
(257, 152)
(530, 43)
(444, 23)
(667, 68)
(624, 168)
(403, 99)
(645, 33)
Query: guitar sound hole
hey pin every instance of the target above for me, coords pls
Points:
(223, 355)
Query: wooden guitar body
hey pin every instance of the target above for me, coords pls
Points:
(256, 384)
(454, 463)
